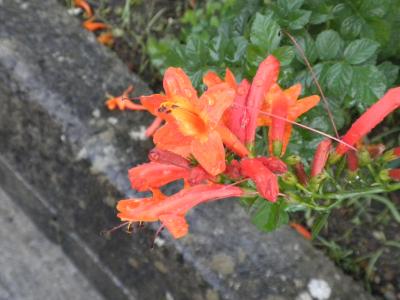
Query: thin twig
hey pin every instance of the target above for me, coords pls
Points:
(314, 77)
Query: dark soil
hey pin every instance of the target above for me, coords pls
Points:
(364, 240)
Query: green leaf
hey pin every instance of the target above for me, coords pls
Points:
(351, 26)
(319, 223)
(299, 18)
(240, 48)
(367, 86)
(339, 78)
(265, 32)
(374, 8)
(284, 54)
(329, 44)
(290, 5)
(390, 71)
(307, 44)
(268, 216)
(360, 50)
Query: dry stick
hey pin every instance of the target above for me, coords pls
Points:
(314, 77)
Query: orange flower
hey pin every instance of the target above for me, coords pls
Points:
(321, 157)
(106, 38)
(122, 102)
(194, 123)
(266, 76)
(172, 210)
(371, 118)
(235, 117)
(91, 25)
(296, 107)
(85, 6)
(154, 175)
(302, 230)
(266, 181)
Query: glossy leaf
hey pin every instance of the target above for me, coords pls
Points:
(329, 44)
(360, 51)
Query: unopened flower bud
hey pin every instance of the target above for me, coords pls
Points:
(384, 175)
(289, 178)
(291, 160)
(391, 154)
(364, 157)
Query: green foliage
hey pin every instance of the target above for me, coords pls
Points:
(342, 39)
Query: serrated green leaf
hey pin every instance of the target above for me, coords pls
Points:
(290, 5)
(360, 50)
(374, 8)
(268, 216)
(240, 48)
(351, 26)
(367, 86)
(391, 72)
(339, 78)
(284, 54)
(307, 44)
(329, 45)
(265, 32)
(298, 19)
(318, 18)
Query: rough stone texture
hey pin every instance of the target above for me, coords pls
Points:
(31, 266)
(63, 158)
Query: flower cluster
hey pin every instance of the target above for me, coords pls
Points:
(208, 142)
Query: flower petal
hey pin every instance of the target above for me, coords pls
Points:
(210, 153)
(213, 103)
(175, 224)
(177, 83)
(168, 137)
(152, 102)
(211, 78)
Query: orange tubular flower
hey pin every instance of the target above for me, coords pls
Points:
(85, 6)
(296, 107)
(171, 211)
(106, 38)
(122, 102)
(321, 157)
(372, 117)
(352, 161)
(302, 230)
(266, 76)
(280, 107)
(154, 175)
(235, 117)
(194, 124)
(266, 181)
(274, 164)
(167, 157)
(301, 173)
(91, 25)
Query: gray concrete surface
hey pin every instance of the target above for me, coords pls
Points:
(32, 267)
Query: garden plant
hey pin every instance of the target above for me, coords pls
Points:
(271, 102)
